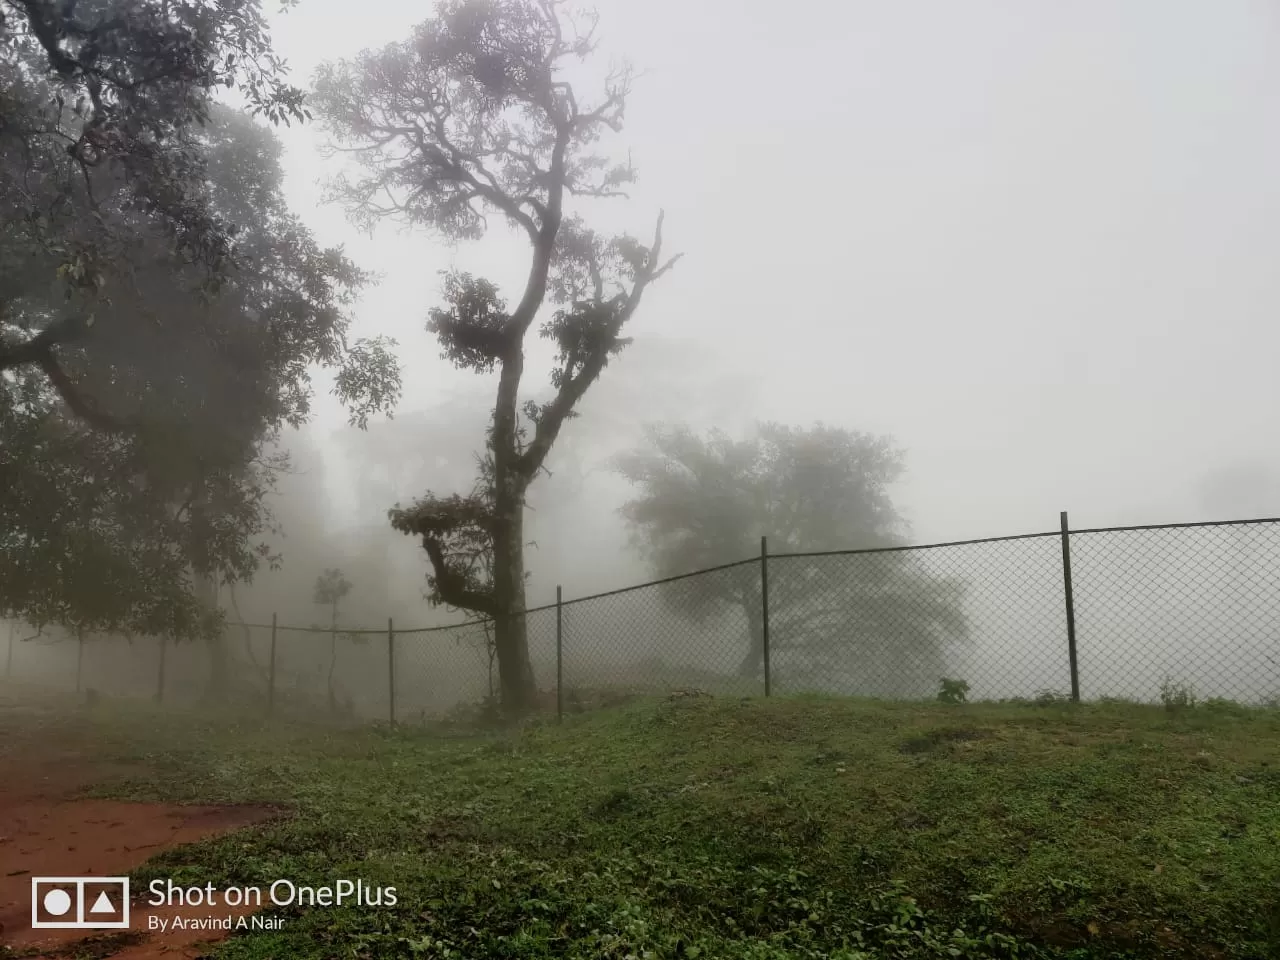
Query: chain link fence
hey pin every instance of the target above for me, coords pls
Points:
(893, 623)
(1186, 609)
(1140, 613)
(701, 630)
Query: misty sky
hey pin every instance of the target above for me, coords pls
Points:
(1037, 242)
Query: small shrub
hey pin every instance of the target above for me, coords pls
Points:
(953, 691)
(1047, 698)
(1177, 696)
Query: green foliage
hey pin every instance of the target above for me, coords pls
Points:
(953, 691)
(160, 309)
(367, 380)
(1046, 698)
(786, 829)
(1177, 696)
(470, 331)
(105, 102)
(1223, 707)
(137, 452)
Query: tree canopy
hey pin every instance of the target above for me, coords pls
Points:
(879, 618)
(101, 104)
(160, 310)
(471, 116)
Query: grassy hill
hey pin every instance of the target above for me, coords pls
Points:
(787, 828)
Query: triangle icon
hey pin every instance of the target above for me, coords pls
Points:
(102, 904)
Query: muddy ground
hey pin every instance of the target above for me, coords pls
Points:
(48, 828)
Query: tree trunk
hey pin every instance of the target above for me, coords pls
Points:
(511, 636)
(205, 589)
(219, 685)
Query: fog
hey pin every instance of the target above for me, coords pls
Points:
(1034, 242)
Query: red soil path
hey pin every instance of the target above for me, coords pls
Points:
(44, 831)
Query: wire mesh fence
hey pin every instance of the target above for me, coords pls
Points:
(339, 672)
(434, 669)
(893, 623)
(1140, 613)
(135, 667)
(701, 631)
(1187, 609)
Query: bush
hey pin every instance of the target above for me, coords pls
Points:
(953, 691)
(1047, 698)
(1177, 696)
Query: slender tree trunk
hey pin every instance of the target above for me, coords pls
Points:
(219, 684)
(491, 653)
(511, 639)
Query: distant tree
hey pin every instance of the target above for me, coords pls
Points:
(470, 116)
(706, 501)
(331, 588)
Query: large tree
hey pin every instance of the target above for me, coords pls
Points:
(704, 501)
(141, 390)
(468, 117)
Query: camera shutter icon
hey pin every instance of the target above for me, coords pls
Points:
(79, 903)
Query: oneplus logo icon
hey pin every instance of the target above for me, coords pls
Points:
(79, 903)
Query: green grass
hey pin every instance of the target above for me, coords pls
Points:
(788, 828)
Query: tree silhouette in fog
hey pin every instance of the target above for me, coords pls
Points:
(703, 501)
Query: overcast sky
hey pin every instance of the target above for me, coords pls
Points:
(1035, 241)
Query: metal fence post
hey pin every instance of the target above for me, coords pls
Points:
(559, 653)
(1071, 608)
(271, 671)
(391, 672)
(764, 609)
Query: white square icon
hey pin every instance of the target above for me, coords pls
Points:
(79, 903)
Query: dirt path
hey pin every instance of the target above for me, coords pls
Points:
(45, 831)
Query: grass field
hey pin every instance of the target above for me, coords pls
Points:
(763, 829)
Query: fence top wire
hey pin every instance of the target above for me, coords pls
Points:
(402, 631)
(379, 631)
(1178, 526)
(657, 583)
(914, 546)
